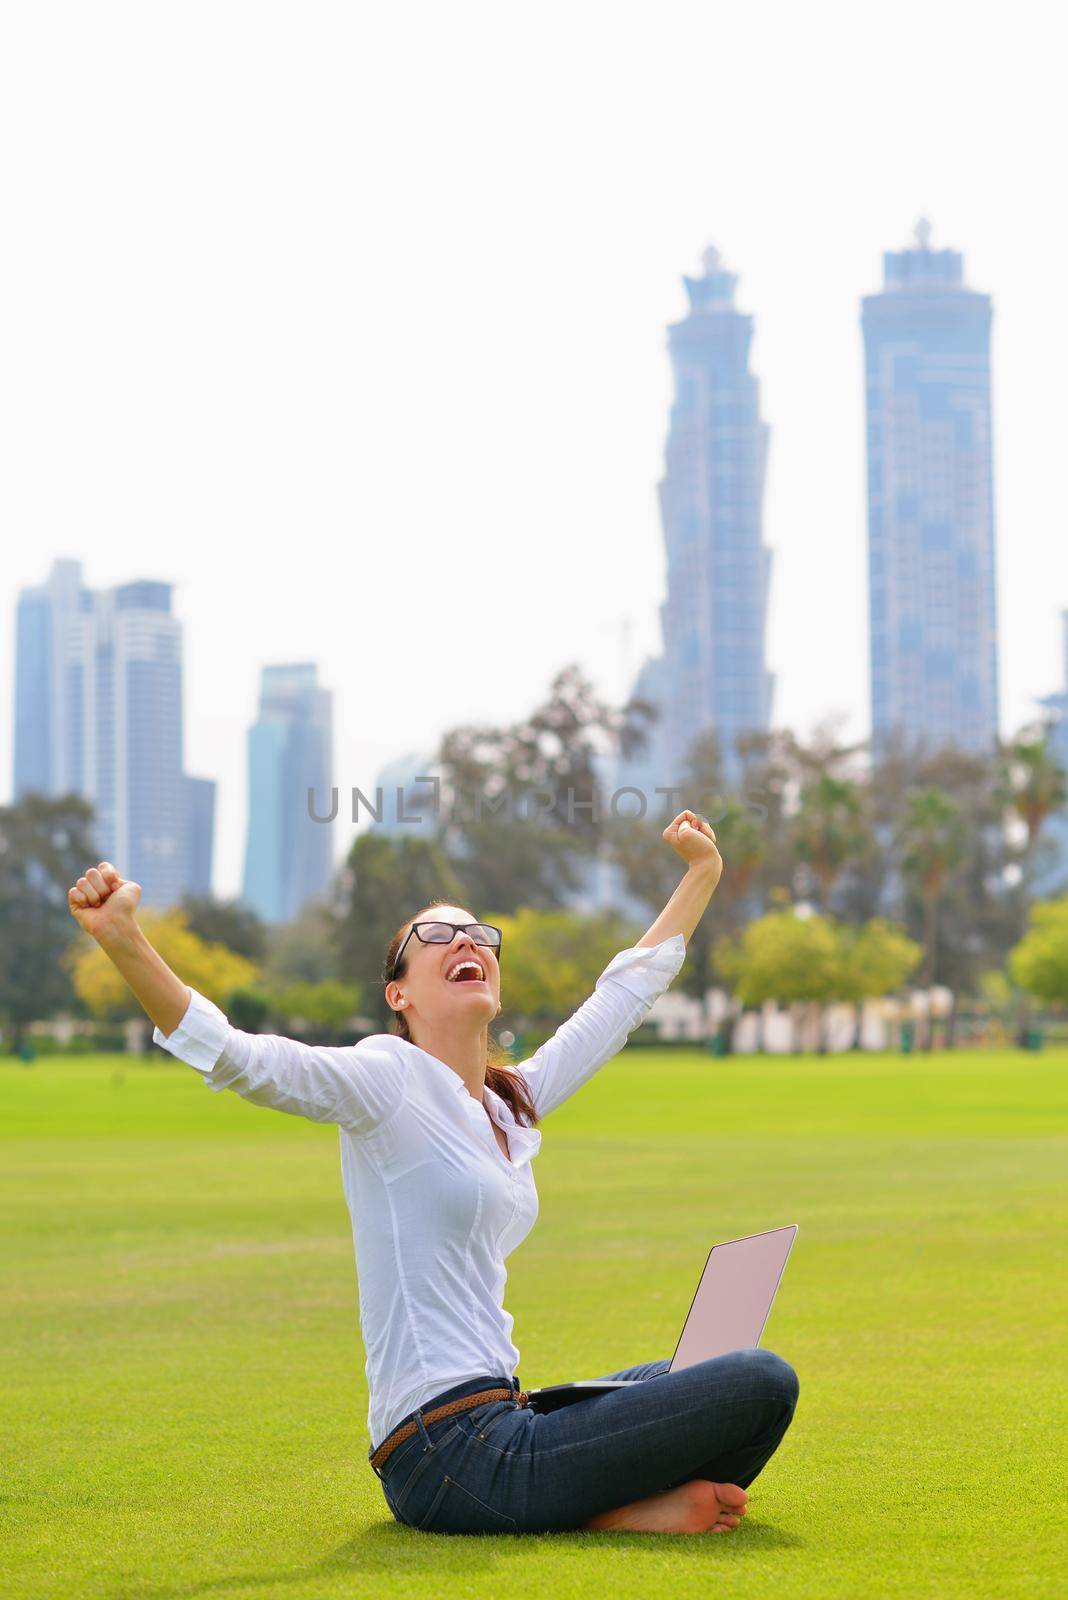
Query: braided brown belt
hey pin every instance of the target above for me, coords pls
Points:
(406, 1429)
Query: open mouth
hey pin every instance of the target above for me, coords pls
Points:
(466, 971)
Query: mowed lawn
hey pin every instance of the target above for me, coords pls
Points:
(184, 1411)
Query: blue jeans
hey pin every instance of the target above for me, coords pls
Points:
(503, 1468)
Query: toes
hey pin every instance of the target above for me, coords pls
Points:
(703, 1496)
(731, 1496)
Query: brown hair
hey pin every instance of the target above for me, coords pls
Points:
(501, 1076)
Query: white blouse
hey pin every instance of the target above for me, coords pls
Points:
(435, 1205)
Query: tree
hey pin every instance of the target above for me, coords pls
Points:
(934, 849)
(318, 1011)
(979, 913)
(814, 960)
(44, 845)
(385, 881)
(1036, 786)
(767, 790)
(551, 960)
(523, 803)
(743, 842)
(248, 1009)
(210, 968)
(829, 830)
(782, 957)
(1039, 963)
(308, 949)
(874, 960)
(227, 922)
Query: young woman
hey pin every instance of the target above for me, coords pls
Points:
(437, 1137)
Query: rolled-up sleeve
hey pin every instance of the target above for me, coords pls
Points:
(355, 1086)
(622, 998)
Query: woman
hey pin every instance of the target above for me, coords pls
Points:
(437, 1137)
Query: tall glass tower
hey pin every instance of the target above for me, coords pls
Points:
(98, 713)
(288, 855)
(931, 560)
(1051, 864)
(713, 673)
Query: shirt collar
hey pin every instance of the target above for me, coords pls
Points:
(523, 1143)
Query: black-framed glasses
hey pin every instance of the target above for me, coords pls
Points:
(443, 932)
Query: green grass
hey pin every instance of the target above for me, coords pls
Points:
(183, 1411)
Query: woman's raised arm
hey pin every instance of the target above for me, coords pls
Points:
(691, 837)
(105, 905)
(357, 1087)
(633, 979)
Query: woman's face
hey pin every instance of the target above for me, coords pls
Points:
(426, 993)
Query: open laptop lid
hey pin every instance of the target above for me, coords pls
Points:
(734, 1296)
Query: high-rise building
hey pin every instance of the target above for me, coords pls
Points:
(289, 855)
(200, 814)
(1051, 863)
(405, 805)
(931, 563)
(713, 674)
(98, 713)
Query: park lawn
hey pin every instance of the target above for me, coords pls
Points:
(184, 1411)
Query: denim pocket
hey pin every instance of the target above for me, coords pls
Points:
(455, 1509)
(414, 1459)
(479, 1421)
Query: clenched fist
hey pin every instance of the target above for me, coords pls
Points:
(103, 903)
(692, 837)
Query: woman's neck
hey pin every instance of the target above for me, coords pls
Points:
(461, 1050)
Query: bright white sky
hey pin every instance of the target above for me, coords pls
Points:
(349, 319)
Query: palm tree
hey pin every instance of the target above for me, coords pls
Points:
(828, 830)
(1036, 786)
(934, 846)
(744, 842)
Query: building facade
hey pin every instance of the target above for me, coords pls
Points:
(713, 672)
(398, 804)
(1051, 863)
(288, 854)
(98, 713)
(931, 548)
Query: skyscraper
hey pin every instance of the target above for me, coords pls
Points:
(98, 712)
(713, 673)
(932, 600)
(405, 803)
(1051, 863)
(288, 856)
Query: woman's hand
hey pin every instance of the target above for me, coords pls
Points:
(691, 836)
(104, 904)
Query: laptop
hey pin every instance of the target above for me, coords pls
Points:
(728, 1312)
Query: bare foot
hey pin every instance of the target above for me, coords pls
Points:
(695, 1507)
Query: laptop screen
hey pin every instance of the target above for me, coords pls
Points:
(734, 1296)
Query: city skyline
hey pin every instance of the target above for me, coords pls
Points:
(341, 430)
(714, 388)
